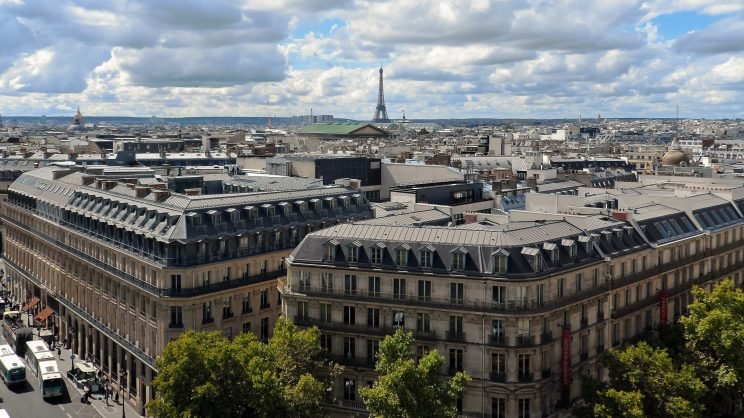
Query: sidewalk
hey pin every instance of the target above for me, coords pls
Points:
(114, 410)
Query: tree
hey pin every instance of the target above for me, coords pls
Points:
(205, 375)
(409, 389)
(714, 330)
(645, 380)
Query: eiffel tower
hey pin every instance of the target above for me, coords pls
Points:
(381, 111)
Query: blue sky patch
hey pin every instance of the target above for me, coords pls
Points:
(320, 28)
(674, 25)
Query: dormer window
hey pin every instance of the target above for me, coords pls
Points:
(427, 256)
(214, 216)
(401, 255)
(607, 235)
(552, 251)
(458, 258)
(353, 256)
(500, 261)
(330, 250)
(376, 253)
(570, 246)
(533, 258)
(586, 241)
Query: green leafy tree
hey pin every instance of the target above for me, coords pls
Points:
(644, 379)
(205, 375)
(714, 330)
(619, 404)
(406, 388)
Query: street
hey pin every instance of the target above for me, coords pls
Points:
(26, 401)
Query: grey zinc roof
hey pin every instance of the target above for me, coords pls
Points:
(421, 217)
(506, 235)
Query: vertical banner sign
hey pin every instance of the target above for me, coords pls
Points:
(566, 363)
(663, 306)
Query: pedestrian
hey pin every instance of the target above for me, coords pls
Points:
(59, 352)
(116, 398)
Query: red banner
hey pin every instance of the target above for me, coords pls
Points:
(566, 358)
(663, 306)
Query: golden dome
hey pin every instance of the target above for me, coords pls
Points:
(675, 156)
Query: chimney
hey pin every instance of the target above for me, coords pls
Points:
(141, 191)
(109, 184)
(192, 192)
(58, 174)
(160, 194)
(88, 180)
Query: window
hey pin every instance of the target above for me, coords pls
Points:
(350, 284)
(304, 281)
(561, 287)
(458, 261)
(264, 329)
(353, 254)
(595, 278)
(498, 295)
(373, 317)
(247, 305)
(325, 312)
(349, 348)
(498, 363)
(455, 359)
(303, 311)
(426, 257)
(373, 346)
(247, 327)
(577, 284)
(423, 322)
(265, 298)
(399, 319)
(376, 255)
(326, 282)
(373, 286)
(349, 315)
(498, 408)
(457, 291)
(523, 366)
(325, 342)
(399, 288)
(497, 328)
(330, 252)
(421, 351)
(455, 328)
(523, 406)
(176, 317)
(207, 312)
(176, 281)
(424, 290)
(541, 293)
(500, 263)
(401, 257)
(349, 389)
(520, 297)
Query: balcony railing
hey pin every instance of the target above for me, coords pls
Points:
(497, 340)
(455, 336)
(546, 337)
(524, 377)
(584, 322)
(470, 305)
(546, 373)
(87, 317)
(149, 288)
(497, 377)
(584, 356)
(525, 340)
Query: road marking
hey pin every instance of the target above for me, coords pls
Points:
(68, 415)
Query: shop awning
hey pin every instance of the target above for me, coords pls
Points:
(27, 307)
(44, 314)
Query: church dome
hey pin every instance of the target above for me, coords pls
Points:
(675, 156)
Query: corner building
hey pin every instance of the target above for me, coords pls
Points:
(524, 308)
(127, 265)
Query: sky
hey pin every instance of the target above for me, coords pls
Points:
(441, 58)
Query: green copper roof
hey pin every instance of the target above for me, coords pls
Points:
(333, 128)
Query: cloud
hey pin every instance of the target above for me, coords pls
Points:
(723, 36)
(447, 58)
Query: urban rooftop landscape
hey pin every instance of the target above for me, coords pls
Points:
(372, 209)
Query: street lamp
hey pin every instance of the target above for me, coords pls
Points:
(123, 378)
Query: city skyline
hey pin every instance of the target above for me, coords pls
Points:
(446, 59)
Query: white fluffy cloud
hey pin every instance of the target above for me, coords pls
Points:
(444, 58)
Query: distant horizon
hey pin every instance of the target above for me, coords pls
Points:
(10, 117)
